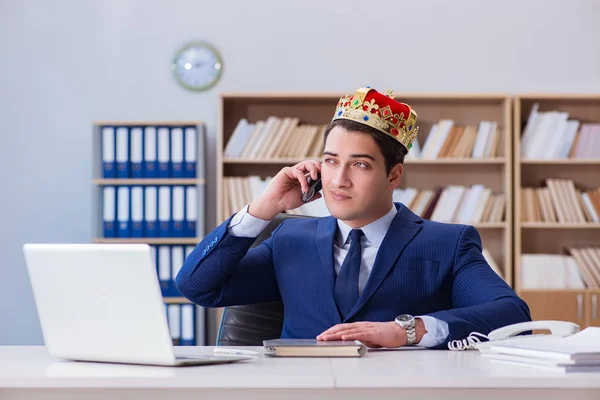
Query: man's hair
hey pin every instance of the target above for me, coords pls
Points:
(393, 152)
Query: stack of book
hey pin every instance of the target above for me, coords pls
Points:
(576, 353)
(553, 135)
(579, 269)
(560, 201)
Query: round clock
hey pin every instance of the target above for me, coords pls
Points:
(197, 66)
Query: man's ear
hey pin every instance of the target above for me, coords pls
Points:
(395, 176)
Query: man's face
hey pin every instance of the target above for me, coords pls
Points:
(356, 187)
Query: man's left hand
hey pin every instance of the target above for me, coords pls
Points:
(371, 334)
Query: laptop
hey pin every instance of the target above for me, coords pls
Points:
(103, 303)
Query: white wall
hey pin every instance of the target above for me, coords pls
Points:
(65, 64)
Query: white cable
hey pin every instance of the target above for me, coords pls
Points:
(467, 343)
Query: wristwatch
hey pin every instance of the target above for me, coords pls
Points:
(407, 322)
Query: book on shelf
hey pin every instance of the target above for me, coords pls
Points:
(549, 135)
(455, 203)
(579, 269)
(275, 137)
(448, 139)
(560, 201)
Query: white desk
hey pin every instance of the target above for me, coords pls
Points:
(29, 373)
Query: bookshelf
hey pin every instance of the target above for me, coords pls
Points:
(557, 163)
(494, 171)
(159, 168)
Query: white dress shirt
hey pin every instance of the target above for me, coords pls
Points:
(244, 224)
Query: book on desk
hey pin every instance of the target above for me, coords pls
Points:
(313, 348)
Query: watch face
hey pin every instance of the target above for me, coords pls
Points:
(197, 66)
(405, 318)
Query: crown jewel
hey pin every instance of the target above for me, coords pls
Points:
(380, 111)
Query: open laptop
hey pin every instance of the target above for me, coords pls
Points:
(103, 303)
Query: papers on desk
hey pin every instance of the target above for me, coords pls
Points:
(576, 353)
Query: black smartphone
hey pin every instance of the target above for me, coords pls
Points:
(314, 186)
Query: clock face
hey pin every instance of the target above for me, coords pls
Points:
(197, 66)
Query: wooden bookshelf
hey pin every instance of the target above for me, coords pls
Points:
(199, 182)
(536, 237)
(317, 108)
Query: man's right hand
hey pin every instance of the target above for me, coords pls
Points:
(284, 192)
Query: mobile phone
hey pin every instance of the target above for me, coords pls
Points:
(314, 186)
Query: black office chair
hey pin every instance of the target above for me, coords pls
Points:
(249, 325)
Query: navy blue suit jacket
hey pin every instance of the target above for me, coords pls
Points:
(422, 268)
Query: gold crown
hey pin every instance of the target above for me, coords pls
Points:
(380, 111)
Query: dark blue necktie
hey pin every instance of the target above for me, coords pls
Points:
(346, 283)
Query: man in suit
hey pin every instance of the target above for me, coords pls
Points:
(372, 271)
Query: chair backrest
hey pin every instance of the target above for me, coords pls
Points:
(250, 324)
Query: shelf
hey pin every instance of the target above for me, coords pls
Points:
(552, 291)
(175, 300)
(148, 123)
(458, 161)
(555, 225)
(567, 161)
(152, 241)
(166, 181)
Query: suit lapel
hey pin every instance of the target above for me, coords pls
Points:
(326, 231)
(404, 227)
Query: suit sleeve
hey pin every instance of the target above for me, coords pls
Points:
(223, 270)
(481, 300)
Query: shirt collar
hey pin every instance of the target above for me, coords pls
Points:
(374, 232)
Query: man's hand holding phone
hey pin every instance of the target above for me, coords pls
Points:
(287, 189)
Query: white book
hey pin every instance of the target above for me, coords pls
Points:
(430, 139)
(481, 139)
(530, 129)
(238, 139)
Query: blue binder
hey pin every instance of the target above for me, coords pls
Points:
(190, 145)
(164, 211)
(178, 211)
(164, 152)
(151, 212)
(137, 212)
(122, 156)
(191, 211)
(177, 152)
(188, 325)
(163, 269)
(108, 152)
(109, 207)
(123, 212)
(137, 152)
(150, 169)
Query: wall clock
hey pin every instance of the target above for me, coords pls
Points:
(197, 66)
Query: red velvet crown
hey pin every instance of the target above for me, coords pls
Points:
(380, 111)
